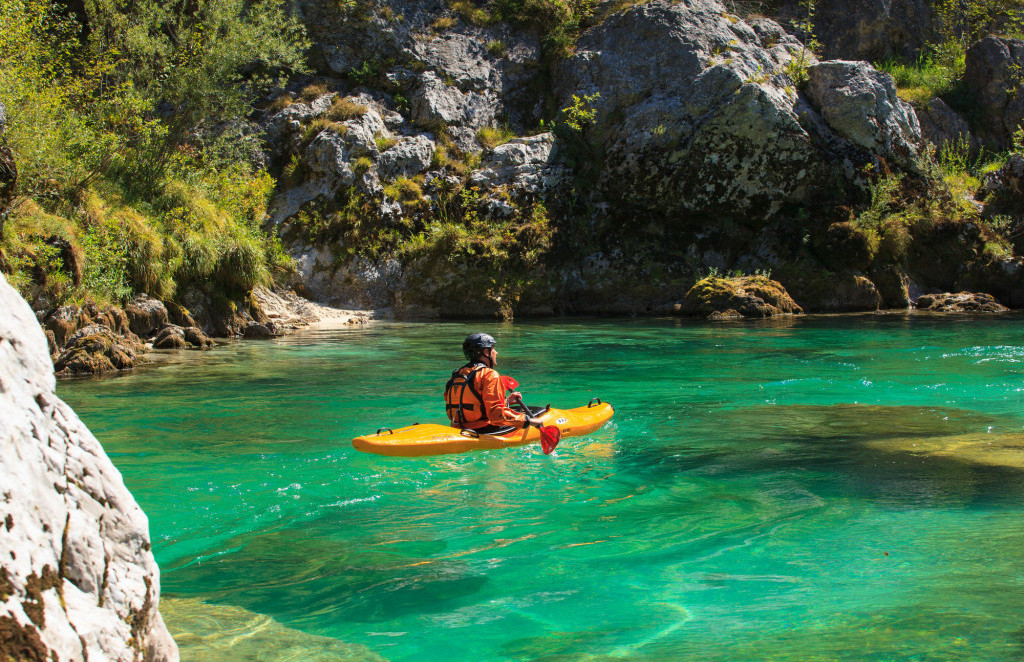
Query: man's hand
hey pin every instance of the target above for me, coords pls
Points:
(515, 398)
(535, 422)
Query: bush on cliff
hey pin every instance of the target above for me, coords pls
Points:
(125, 129)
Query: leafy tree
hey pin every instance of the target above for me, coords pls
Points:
(200, 63)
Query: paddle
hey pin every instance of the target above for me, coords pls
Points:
(550, 435)
(549, 438)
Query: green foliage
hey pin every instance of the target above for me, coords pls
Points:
(927, 77)
(497, 48)
(204, 60)
(470, 13)
(964, 22)
(362, 165)
(491, 137)
(581, 112)
(405, 190)
(366, 73)
(383, 142)
(344, 108)
(560, 22)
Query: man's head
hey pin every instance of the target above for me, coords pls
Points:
(477, 345)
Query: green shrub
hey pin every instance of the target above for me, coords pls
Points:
(345, 109)
(491, 137)
(384, 143)
(497, 48)
(926, 78)
(362, 165)
(241, 264)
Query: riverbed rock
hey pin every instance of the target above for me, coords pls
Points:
(64, 321)
(696, 117)
(996, 86)
(78, 580)
(256, 330)
(745, 296)
(95, 349)
(146, 315)
(961, 302)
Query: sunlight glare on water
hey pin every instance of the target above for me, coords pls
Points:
(819, 488)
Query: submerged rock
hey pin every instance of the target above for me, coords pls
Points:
(212, 633)
(746, 296)
(78, 580)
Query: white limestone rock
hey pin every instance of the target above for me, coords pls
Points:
(410, 156)
(861, 105)
(77, 578)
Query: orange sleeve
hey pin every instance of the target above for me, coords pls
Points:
(493, 394)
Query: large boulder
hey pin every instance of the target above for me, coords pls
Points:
(78, 580)
(697, 117)
(997, 87)
(861, 105)
(146, 315)
(95, 349)
(409, 156)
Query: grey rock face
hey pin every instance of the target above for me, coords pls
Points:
(941, 126)
(697, 117)
(79, 580)
(861, 105)
(868, 29)
(409, 156)
(3, 118)
(526, 163)
(997, 85)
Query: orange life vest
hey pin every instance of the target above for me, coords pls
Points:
(463, 402)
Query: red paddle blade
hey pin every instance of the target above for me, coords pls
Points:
(509, 383)
(549, 438)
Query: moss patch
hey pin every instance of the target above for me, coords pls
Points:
(20, 642)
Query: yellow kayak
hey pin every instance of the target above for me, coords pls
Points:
(432, 439)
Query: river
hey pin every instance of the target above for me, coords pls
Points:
(843, 487)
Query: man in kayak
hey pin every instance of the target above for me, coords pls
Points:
(475, 397)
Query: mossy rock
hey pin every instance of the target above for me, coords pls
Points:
(746, 296)
(96, 349)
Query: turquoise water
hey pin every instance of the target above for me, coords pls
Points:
(821, 488)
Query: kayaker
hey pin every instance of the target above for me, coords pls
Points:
(474, 396)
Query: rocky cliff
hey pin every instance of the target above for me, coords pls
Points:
(78, 580)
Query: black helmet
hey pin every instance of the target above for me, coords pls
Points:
(475, 343)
